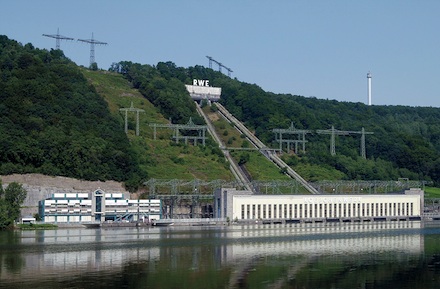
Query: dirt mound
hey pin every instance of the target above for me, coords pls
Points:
(61, 182)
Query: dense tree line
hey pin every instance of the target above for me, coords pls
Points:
(405, 143)
(53, 122)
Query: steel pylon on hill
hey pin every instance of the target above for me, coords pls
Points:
(92, 43)
(58, 38)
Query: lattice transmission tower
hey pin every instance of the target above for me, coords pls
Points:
(92, 43)
(58, 38)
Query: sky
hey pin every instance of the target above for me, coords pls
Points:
(313, 48)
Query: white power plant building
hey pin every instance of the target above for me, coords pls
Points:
(244, 206)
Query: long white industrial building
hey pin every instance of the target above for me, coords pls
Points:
(245, 206)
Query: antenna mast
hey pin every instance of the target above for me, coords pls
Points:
(92, 43)
(58, 37)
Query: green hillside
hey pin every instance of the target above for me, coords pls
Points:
(405, 142)
(161, 158)
(59, 119)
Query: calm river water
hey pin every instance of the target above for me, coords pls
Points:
(326, 255)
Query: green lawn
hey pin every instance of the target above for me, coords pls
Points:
(432, 192)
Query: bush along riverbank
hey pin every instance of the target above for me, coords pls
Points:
(32, 226)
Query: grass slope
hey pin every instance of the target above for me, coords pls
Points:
(161, 158)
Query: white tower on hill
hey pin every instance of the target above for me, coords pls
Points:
(369, 87)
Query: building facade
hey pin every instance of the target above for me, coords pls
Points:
(97, 207)
(244, 206)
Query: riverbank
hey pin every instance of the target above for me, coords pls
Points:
(32, 226)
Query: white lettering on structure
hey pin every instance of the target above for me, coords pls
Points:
(201, 82)
(332, 200)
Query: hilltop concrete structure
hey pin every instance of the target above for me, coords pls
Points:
(200, 90)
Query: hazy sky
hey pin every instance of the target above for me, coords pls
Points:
(311, 48)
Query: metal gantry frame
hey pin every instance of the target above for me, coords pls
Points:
(334, 132)
(132, 109)
(301, 137)
(177, 134)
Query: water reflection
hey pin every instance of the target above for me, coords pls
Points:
(235, 256)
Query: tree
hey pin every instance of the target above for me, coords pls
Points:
(93, 66)
(11, 199)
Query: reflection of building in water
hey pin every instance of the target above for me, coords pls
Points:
(243, 205)
(304, 240)
(73, 252)
(97, 206)
(330, 238)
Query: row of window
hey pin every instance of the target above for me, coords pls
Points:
(88, 211)
(347, 210)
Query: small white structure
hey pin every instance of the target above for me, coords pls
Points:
(97, 207)
(243, 205)
(28, 220)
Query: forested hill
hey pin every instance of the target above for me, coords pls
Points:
(405, 142)
(53, 122)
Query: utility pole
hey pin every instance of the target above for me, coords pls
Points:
(92, 43)
(58, 38)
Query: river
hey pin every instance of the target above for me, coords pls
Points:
(321, 255)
